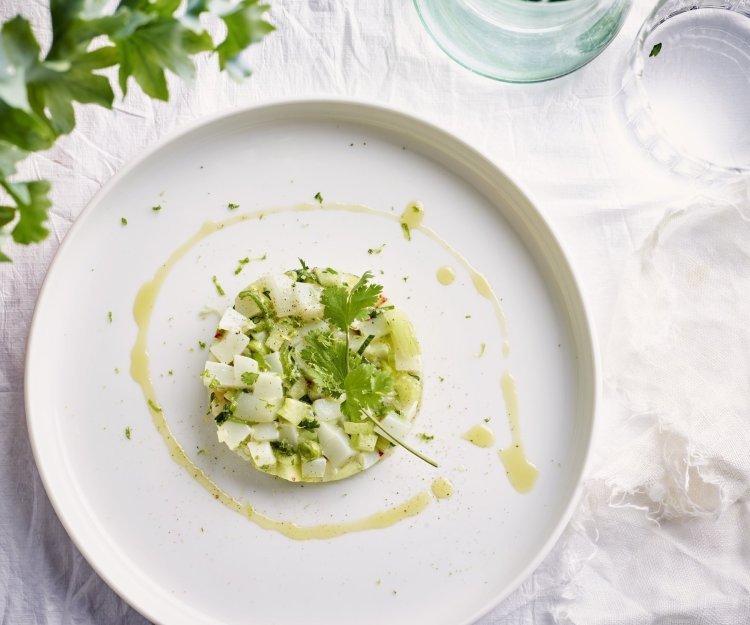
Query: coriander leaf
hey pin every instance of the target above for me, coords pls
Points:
(365, 387)
(245, 26)
(342, 307)
(655, 50)
(249, 377)
(327, 360)
(308, 424)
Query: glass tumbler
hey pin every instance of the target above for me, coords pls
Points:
(522, 40)
(685, 90)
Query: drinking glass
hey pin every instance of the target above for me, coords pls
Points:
(685, 91)
(522, 40)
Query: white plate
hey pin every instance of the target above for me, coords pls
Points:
(159, 538)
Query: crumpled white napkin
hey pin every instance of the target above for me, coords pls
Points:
(677, 424)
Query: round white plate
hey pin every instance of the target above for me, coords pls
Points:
(161, 540)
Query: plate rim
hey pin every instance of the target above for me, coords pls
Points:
(365, 108)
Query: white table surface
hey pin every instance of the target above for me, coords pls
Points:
(560, 141)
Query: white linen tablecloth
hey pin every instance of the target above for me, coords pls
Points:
(657, 541)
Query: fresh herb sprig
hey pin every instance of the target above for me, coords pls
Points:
(144, 38)
(338, 370)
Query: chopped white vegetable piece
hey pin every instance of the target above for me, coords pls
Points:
(222, 373)
(229, 345)
(246, 306)
(262, 454)
(335, 444)
(315, 468)
(327, 409)
(253, 409)
(289, 433)
(265, 432)
(294, 411)
(307, 301)
(367, 458)
(268, 387)
(260, 336)
(273, 360)
(394, 424)
(377, 327)
(232, 433)
(243, 364)
(281, 290)
(299, 340)
(233, 321)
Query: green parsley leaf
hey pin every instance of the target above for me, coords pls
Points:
(308, 424)
(245, 26)
(283, 448)
(342, 307)
(128, 432)
(365, 388)
(655, 50)
(376, 250)
(123, 221)
(318, 197)
(156, 208)
(326, 359)
(231, 206)
(407, 232)
(32, 202)
(249, 377)
(109, 316)
(202, 344)
(426, 437)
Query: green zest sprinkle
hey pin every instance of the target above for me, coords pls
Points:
(156, 208)
(481, 350)
(407, 232)
(655, 50)
(127, 432)
(123, 221)
(202, 344)
(153, 406)
(249, 378)
(376, 250)
(426, 437)
(109, 316)
(170, 372)
(318, 197)
(219, 289)
(241, 264)
(200, 453)
(231, 206)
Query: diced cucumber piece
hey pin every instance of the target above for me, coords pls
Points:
(394, 424)
(364, 442)
(273, 360)
(294, 411)
(377, 350)
(281, 333)
(233, 321)
(232, 433)
(309, 450)
(228, 346)
(307, 301)
(383, 444)
(281, 292)
(298, 389)
(246, 305)
(326, 409)
(363, 427)
(405, 346)
(243, 364)
(221, 372)
(335, 444)
(377, 327)
(262, 454)
(407, 388)
(268, 387)
(257, 410)
(367, 458)
(314, 469)
(289, 433)
(265, 432)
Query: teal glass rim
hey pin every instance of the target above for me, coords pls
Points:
(522, 41)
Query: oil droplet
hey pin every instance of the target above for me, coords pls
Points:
(446, 275)
(480, 435)
(522, 474)
(442, 488)
(413, 215)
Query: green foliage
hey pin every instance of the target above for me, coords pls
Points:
(342, 307)
(145, 38)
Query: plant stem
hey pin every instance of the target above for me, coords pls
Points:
(399, 441)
